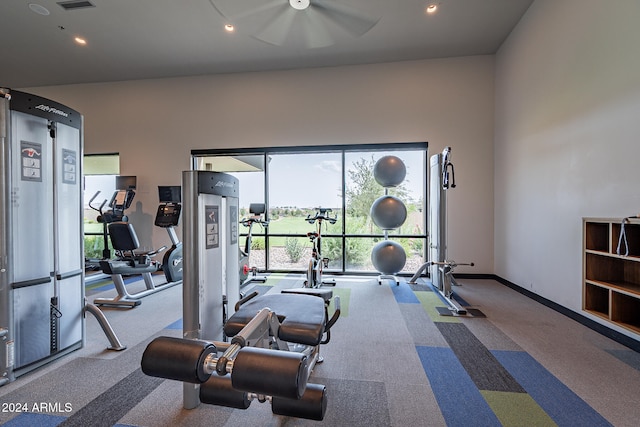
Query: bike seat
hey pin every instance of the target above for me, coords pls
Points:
(312, 234)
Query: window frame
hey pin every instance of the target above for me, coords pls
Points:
(343, 150)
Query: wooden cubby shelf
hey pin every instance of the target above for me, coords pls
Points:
(611, 281)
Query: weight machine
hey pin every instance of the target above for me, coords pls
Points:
(42, 301)
(275, 338)
(442, 178)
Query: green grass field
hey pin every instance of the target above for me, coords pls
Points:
(297, 225)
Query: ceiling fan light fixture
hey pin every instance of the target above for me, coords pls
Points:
(299, 4)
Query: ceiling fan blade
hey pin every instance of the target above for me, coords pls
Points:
(275, 31)
(347, 18)
(315, 30)
(226, 9)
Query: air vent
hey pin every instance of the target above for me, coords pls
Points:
(74, 4)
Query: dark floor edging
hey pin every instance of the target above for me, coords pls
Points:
(589, 323)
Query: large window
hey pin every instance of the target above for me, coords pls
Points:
(297, 184)
(100, 172)
(249, 169)
(293, 183)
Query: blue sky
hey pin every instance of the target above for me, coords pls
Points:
(305, 180)
(314, 179)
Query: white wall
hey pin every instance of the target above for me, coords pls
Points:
(154, 124)
(566, 138)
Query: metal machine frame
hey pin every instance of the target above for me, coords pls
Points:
(41, 241)
(442, 178)
(210, 250)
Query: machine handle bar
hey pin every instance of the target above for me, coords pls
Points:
(101, 206)
(322, 214)
(252, 220)
(452, 264)
(245, 299)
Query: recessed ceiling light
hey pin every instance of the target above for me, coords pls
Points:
(80, 41)
(229, 28)
(39, 9)
(432, 8)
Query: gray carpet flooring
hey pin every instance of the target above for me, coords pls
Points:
(372, 367)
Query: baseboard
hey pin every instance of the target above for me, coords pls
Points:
(589, 323)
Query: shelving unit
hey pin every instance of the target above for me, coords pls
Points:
(611, 282)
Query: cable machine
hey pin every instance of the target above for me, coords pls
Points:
(442, 178)
(42, 301)
(41, 243)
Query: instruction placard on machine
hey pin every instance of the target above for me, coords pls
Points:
(69, 166)
(31, 156)
(212, 222)
(233, 224)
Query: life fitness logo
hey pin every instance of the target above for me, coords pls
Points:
(52, 110)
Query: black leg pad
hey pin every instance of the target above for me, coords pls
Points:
(218, 391)
(270, 372)
(312, 405)
(177, 359)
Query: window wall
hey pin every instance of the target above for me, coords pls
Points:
(249, 169)
(293, 183)
(100, 172)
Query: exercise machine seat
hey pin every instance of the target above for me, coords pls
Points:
(127, 267)
(302, 317)
(123, 236)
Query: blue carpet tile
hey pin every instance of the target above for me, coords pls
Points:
(556, 399)
(460, 401)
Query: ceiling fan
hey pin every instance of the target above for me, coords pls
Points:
(296, 23)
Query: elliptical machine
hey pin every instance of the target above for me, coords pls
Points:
(167, 217)
(256, 210)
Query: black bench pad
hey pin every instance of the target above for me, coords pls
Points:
(302, 317)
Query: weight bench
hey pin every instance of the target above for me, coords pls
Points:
(125, 241)
(273, 350)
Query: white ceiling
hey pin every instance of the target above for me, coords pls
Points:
(142, 39)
